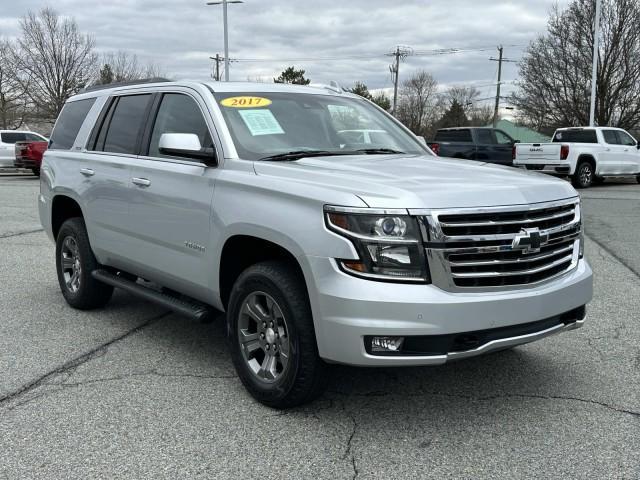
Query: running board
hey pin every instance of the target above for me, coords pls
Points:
(187, 307)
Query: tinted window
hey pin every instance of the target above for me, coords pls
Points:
(13, 137)
(454, 136)
(485, 137)
(126, 124)
(610, 137)
(178, 114)
(576, 136)
(69, 122)
(626, 139)
(503, 138)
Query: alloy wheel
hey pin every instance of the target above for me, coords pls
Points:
(264, 337)
(70, 264)
(585, 174)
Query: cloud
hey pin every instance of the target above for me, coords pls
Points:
(343, 41)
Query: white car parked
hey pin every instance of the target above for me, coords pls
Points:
(586, 154)
(8, 139)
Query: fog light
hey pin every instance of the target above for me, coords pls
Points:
(386, 344)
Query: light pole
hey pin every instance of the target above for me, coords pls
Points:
(594, 72)
(226, 32)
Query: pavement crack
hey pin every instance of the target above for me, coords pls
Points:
(127, 376)
(349, 453)
(81, 359)
(499, 396)
(614, 255)
(19, 233)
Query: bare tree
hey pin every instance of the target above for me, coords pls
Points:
(481, 116)
(465, 96)
(417, 102)
(54, 59)
(14, 104)
(554, 90)
(121, 67)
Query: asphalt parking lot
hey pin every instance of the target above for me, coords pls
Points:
(132, 391)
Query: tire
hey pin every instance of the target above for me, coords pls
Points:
(638, 178)
(599, 180)
(74, 263)
(36, 171)
(274, 291)
(583, 177)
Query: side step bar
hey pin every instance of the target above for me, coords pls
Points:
(189, 308)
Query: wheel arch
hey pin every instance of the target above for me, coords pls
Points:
(240, 251)
(63, 207)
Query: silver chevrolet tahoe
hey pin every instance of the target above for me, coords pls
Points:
(320, 245)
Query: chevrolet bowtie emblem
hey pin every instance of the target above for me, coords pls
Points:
(529, 240)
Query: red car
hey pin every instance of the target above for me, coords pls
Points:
(29, 155)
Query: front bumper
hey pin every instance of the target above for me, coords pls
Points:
(348, 309)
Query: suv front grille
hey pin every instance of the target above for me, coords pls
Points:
(502, 247)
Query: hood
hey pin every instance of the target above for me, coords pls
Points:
(415, 181)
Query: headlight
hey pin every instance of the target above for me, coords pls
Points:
(389, 246)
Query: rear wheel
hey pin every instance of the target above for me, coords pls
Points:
(36, 171)
(75, 262)
(638, 178)
(583, 178)
(272, 339)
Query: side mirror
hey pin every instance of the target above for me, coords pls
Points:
(186, 145)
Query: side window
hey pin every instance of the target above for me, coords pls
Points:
(125, 126)
(503, 138)
(485, 136)
(33, 136)
(610, 136)
(69, 122)
(178, 113)
(626, 139)
(13, 137)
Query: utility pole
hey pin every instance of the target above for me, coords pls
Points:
(225, 25)
(594, 71)
(497, 107)
(399, 53)
(216, 73)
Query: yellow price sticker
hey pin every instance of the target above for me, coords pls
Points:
(245, 102)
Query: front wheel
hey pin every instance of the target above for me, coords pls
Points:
(75, 262)
(583, 178)
(272, 339)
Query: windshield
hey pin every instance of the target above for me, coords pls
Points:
(269, 124)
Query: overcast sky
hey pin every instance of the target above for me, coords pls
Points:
(332, 40)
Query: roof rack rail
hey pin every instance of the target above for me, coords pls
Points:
(141, 81)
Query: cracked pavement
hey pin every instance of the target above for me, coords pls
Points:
(133, 391)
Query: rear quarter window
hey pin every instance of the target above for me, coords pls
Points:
(13, 137)
(69, 122)
(576, 136)
(454, 136)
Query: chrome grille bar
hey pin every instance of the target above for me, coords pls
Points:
(474, 249)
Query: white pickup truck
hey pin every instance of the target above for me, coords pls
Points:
(586, 154)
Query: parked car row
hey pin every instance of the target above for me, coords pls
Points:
(586, 155)
(22, 149)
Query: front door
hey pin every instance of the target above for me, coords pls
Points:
(170, 211)
(611, 160)
(630, 153)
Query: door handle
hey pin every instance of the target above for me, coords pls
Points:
(142, 182)
(87, 172)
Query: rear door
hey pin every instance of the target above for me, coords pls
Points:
(491, 148)
(611, 159)
(170, 210)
